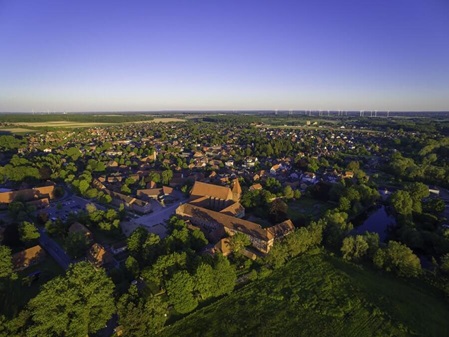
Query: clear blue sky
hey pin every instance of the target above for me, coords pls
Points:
(159, 55)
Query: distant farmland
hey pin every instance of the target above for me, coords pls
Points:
(19, 123)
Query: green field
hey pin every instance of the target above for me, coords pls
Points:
(307, 207)
(318, 295)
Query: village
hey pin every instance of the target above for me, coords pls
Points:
(111, 195)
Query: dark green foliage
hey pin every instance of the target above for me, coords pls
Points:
(180, 292)
(10, 142)
(320, 296)
(140, 317)
(6, 267)
(402, 202)
(76, 244)
(77, 304)
(398, 258)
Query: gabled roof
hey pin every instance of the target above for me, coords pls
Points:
(76, 227)
(281, 229)
(233, 209)
(97, 255)
(27, 257)
(201, 189)
(230, 222)
(224, 246)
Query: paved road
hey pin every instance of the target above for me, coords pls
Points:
(54, 249)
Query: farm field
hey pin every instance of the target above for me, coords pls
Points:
(318, 295)
(15, 130)
(163, 120)
(59, 124)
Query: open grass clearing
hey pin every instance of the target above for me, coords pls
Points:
(307, 207)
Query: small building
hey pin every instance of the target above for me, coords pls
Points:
(76, 227)
(98, 256)
(27, 258)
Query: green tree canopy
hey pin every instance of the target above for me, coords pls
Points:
(180, 292)
(398, 258)
(28, 232)
(77, 304)
(402, 202)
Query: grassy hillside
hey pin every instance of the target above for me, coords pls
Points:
(317, 295)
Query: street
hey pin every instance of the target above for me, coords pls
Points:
(53, 248)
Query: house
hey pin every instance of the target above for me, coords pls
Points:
(134, 204)
(223, 246)
(215, 222)
(27, 258)
(76, 227)
(347, 175)
(155, 193)
(98, 256)
(250, 162)
(255, 187)
(309, 177)
(229, 163)
(25, 195)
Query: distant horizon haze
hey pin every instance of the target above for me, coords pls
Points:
(352, 55)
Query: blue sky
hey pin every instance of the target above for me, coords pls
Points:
(161, 55)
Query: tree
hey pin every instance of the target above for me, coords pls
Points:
(344, 204)
(76, 244)
(225, 276)
(239, 241)
(297, 194)
(28, 232)
(125, 189)
(445, 263)
(6, 267)
(136, 241)
(398, 258)
(132, 266)
(288, 192)
(402, 202)
(15, 208)
(197, 239)
(278, 210)
(131, 314)
(277, 256)
(166, 176)
(204, 278)
(435, 206)
(180, 292)
(91, 208)
(354, 247)
(77, 304)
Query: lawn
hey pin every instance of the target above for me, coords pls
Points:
(307, 208)
(19, 293)
(318, 295)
